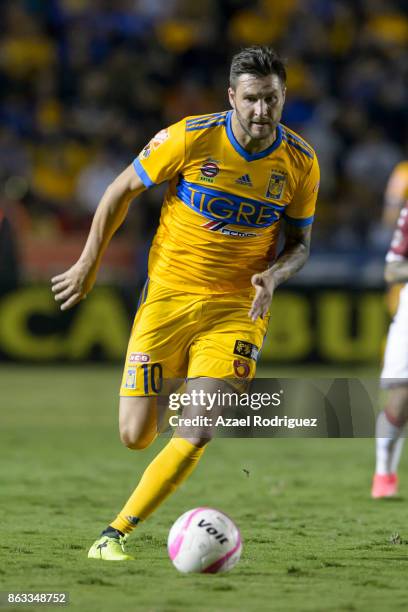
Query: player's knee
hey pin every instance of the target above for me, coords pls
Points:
(135, 439)
(397, 406)
(137, 422)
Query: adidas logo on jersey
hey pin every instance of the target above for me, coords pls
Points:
(245, 179)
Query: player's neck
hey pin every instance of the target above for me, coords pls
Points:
(244, 139)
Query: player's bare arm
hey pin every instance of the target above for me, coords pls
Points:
(395, 195)
(74, 284)
(396, 272)
(292, 258)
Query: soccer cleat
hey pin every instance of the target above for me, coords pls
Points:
(384, 485)
(109, 549)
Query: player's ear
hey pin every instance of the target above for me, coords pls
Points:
(231, 97)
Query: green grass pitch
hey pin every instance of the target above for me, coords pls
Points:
(313, 539)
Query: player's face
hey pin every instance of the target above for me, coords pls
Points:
(258, 103)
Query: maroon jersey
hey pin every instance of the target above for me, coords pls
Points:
(399, 242)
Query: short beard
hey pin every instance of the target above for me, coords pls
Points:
(248, 131)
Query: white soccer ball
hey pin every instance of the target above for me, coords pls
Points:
(204, 540)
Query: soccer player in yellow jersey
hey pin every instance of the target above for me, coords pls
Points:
(213, 266)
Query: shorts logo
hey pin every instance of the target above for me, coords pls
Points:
(246, 349)
(241, 368)
(139, 358)
(209, 171)
(276, 185)
(130, 378)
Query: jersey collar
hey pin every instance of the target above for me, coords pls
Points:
(252, 156)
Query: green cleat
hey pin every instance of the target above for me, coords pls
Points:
(109, 549)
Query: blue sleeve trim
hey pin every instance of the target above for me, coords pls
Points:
(206, 125)
(298, 222)
(142, 174)
(299, 140)
(205, 118)
(294, 144)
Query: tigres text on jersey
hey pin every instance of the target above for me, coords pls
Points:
(221, 213)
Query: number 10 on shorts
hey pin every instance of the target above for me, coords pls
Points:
(148, 376)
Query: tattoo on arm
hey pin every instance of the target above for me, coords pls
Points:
(294, 254)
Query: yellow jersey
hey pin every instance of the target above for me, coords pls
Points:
(221, 213)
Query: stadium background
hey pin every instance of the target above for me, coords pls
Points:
(85, 85)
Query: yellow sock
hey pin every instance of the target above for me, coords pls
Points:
(163, 476)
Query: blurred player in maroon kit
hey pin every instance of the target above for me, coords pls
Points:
(391, 421)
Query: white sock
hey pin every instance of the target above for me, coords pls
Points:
(396, 454)
(389, 443)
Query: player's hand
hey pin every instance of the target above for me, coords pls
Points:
(72, 286)
(264, 288)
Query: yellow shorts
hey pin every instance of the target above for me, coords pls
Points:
(178, 335)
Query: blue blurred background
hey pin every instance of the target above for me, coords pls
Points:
(84, 85)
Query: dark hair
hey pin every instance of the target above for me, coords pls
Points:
(259, 61)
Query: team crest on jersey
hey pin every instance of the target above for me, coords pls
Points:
(276, 185)
(155, 143)
(209, 170)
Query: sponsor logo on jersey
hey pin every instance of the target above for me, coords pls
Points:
(219, 226)
(246, 349)
(236, 234)
(232, 209)
(139, 358)
(276, 185)
(209, 170)
(245, 179)
(241, 368)
(130, 378)
(214, 226)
